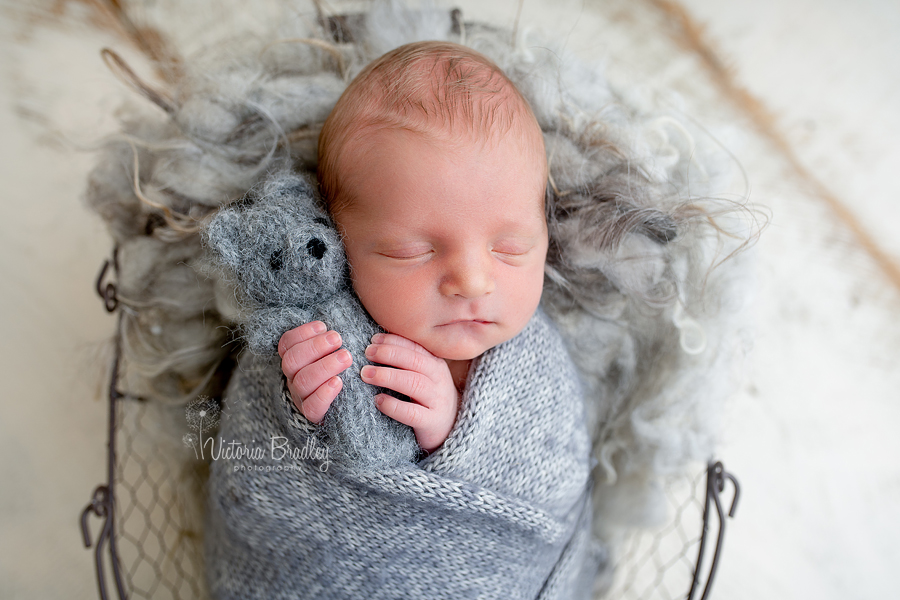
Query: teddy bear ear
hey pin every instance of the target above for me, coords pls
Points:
(284, 183)
(223, 235)
(293, 190)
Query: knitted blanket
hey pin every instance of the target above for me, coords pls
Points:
(501, 510)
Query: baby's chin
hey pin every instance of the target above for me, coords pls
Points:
(459, 343)
(460, 350)
(450, 352)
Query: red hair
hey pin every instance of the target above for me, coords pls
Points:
(439, 90)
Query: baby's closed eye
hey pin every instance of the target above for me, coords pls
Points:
(407, 251)
(513, 248)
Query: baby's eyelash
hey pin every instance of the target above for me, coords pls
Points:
(512, 250)
(402, 256)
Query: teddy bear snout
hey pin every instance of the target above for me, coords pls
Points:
(316, 248)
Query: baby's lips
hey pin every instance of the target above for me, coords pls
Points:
(456, 321)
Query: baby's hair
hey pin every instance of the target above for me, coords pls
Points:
(439, 90)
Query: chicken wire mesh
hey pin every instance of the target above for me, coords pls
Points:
(152, 510)
(158, 526)
(659, 564)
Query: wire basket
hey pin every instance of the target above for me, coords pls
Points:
(151, 508)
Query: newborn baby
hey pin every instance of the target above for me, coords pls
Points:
(440, 200)
(433, 168)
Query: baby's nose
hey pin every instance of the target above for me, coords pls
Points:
(469, 277)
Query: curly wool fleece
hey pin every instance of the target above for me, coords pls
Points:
(288, 263)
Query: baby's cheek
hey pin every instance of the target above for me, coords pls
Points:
(382, 295)
(527, 285)
(524, 296)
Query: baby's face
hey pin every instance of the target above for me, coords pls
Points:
(446, 243)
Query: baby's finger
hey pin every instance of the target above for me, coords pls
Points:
(398, 340)
(311, 377)
(412, 384)
(408, 413)
(299, 334)
(403, 357)
(308, 351)
(316, 404)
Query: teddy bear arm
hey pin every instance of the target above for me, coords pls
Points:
(264, 327)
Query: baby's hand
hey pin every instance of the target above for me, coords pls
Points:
(420, 375)
(311, 361)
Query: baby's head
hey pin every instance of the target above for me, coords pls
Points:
(433, 166)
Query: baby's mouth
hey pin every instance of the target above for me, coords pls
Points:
(474, 321)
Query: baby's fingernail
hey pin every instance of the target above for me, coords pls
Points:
(379, 400)
(344, 357)
(334, 382)
(367, 371)
(370, 351)
(333, 338)
(377, 338)
(318, 327)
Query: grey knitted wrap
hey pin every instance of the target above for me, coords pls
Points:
(287, 261)
(501, 510)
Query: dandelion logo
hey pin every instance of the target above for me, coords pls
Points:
(190, 440)
(202, 416)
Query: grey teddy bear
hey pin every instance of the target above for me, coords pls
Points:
(287, 261)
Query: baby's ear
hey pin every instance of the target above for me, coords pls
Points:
(223, 236)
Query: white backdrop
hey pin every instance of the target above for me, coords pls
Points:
(806, 93)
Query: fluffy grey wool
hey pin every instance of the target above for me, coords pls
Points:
(234, 112)
(288, 264)
(636, 279)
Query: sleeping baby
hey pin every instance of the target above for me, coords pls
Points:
(432, 167)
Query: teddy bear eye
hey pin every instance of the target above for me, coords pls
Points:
(276, 261)
(316, 248)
